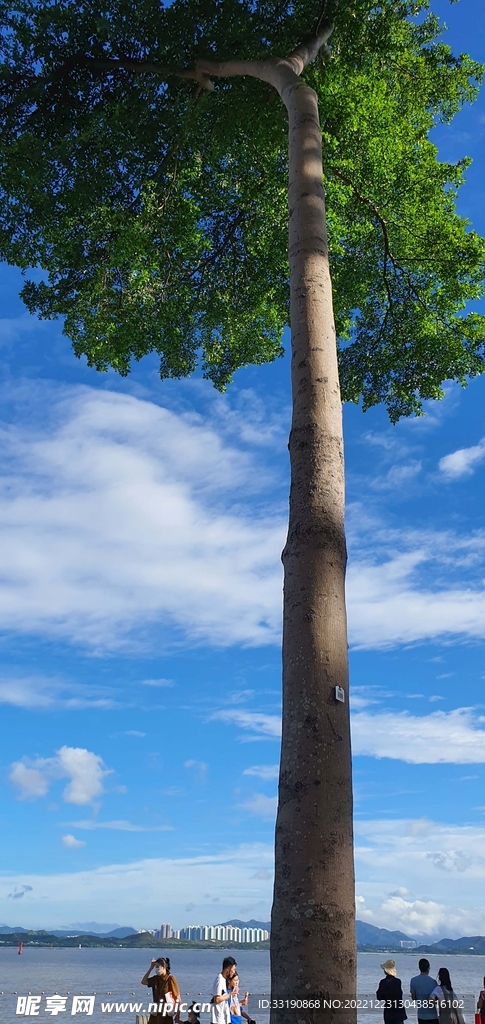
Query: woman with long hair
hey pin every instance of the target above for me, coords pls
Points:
(165, 990)
(481, 1003)
(447, 1002)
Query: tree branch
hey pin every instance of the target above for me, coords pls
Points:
(274, 70)
(383, 225)
(388, 255)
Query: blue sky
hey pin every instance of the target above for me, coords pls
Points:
(140, 603)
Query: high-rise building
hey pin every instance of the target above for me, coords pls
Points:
(217, 932)
(165, 931)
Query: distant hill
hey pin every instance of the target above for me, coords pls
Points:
(117, 933)
(138, 940)
(90, 928)
(467, 944)
(249, 924)
(369, 935)
(93, 927)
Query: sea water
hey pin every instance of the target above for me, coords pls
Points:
(114, 976)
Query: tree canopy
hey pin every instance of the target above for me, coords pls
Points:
(158, 213)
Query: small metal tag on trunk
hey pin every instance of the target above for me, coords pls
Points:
(340, 694)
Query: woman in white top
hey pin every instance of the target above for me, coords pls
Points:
(446, 999)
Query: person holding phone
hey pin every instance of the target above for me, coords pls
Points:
(165, 990)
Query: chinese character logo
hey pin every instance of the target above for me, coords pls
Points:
(28, 1005)
(55, 1004)
(83, 1004)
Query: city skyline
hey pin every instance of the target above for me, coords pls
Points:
(213, 933)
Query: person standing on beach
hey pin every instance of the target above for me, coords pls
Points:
(446, 999)
(421, 988)
(165, 990)
(220, 1013)
(236, 1005)
(481, 1003)
(390, 991)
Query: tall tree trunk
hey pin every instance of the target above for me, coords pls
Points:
(313, 930)
(313, 917)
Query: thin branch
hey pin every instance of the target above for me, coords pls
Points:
(388, 256)
(383, 224)
(153, 67)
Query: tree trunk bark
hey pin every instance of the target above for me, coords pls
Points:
(313, 953)
(313, 930)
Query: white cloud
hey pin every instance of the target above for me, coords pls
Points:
(454, 860)
(41, 693)
(200, 768)
(82, 767)
(400, 586)
(262, 806)
(398, 476)
(425, 919)
(31, 782)
(463, 461)
(72, 843)
(86, 772)
(257, 723)
(119, 826)
(234, 874)
(443, 737)
(157, 682)
(442, 867)
(263, 771)
(263, 873)
(118, 514)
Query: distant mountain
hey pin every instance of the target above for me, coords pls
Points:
(467, 944)
(5, 929)
(116, 933)
(120, 933)
(249, 924)
(92, 927)
(369, 935)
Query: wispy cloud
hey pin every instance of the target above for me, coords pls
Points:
(420, 876)
(266, 772)
(463, 462)
(119, 826)
(443, 737)
(253, 721)
(235, 874)
(72, 843)
(405, 586)
(42, 693)
(199, 767)
(262, 806)
(84, 769)
(162, 683)
(107, 527)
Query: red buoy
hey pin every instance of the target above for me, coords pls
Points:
(21, 946)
